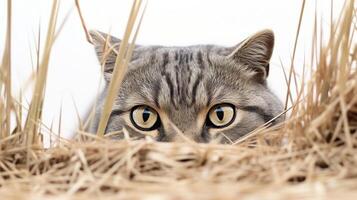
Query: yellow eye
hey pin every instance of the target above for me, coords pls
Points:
(221, 115)
(144, 118)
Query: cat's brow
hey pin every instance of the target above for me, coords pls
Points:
(117, 112)
(266, 117)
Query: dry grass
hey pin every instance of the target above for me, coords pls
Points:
(313, 154)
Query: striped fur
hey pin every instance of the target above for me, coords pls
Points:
(183, 83)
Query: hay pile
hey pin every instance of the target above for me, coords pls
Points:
(313, 154)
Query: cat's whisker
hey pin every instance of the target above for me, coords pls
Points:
(263, 126)
(114, 133)
(226, 137)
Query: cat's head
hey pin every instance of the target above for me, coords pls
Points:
(202, 92)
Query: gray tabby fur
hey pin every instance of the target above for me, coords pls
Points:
(182, 83)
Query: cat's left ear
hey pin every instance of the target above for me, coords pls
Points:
(255, 53)
(106, 47)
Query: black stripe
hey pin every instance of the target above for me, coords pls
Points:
(171, 87)
(189, 76)
(157, 88)
(207, 57)
(200, 60)
(165, 59)
(186, 58)
(181, 58)
(209, 94)
(185, 88)
(256, 109)
(194, 88)
(177, 80)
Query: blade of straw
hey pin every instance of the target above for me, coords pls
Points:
(89, 38)
(6, 76)
(119, 69)
(35, 110)
(293, 57)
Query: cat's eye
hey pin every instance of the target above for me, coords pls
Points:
(221, 115)
(144, 118)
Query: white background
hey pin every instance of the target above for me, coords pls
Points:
(74, 73)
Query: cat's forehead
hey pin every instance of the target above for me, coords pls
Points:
(176, 78)
(181, 60)
(170, 76)
(182, 52)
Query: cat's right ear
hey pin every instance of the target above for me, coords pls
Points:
(255, 53)
(106, 47)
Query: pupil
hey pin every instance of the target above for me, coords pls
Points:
(146, 114)
(219, 113)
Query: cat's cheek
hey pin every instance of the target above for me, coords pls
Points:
(240, 114)
(115, 124)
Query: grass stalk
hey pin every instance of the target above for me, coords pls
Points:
(120, 68)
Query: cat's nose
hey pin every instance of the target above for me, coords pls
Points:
(189, 136)
(184, 134)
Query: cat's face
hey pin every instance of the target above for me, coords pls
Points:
(202, 93)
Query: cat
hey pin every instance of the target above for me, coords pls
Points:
(202, 93)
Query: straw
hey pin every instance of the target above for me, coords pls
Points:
(312, 155)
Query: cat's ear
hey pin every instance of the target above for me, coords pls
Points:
(255, 53)
(106, 47)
